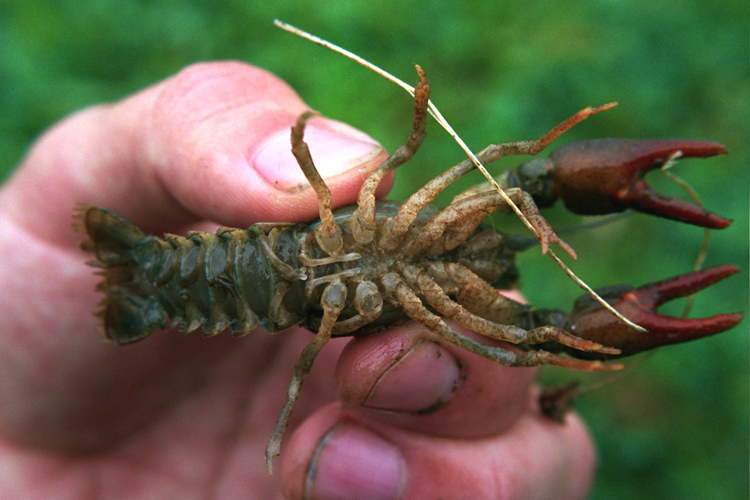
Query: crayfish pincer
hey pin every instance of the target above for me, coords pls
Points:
(374, 264)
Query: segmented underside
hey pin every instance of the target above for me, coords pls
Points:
(237, 278)
(216, 281)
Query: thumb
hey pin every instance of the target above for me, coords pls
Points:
(210, 143)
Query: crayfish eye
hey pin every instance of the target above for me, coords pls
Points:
(534, 178)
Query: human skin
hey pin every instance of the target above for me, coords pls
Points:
(182, 417)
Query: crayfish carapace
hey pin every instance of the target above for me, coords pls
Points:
(374, 264)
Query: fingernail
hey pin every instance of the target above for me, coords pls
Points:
(334, 146)
(423, 380)
(354, 462)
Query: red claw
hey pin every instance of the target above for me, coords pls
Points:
(606, 175)
(592, 322)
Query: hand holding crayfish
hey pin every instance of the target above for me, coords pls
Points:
(185, 417)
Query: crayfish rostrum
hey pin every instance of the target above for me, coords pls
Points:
(376, 264)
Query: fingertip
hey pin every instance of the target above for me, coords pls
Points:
(399, 372)
(333, 456)
(334, 147)
(408, 377)
(232, 122)
(343, 156)
(337, 455)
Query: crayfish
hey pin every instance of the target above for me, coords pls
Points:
(375, 264)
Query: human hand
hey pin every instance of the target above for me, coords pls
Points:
(185, 417)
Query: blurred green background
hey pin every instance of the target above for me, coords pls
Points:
(677, 426)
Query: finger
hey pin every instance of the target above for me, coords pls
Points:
(211, 143)
(410, 378)
(337, 454)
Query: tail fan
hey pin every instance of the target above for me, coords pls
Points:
(130, 308)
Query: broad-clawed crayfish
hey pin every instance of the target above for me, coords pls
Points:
(374, 264)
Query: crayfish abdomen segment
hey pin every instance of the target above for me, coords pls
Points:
(205, 280)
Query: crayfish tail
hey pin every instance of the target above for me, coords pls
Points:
(129, 310)
(110, 236)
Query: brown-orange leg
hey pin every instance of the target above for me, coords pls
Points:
(487, 202)
(437, 298)
(362, 221)
(327, 234)
(456, 234)
(414, 308)
(491, 153)
(333, 301)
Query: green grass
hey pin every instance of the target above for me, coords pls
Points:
(675, 428)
